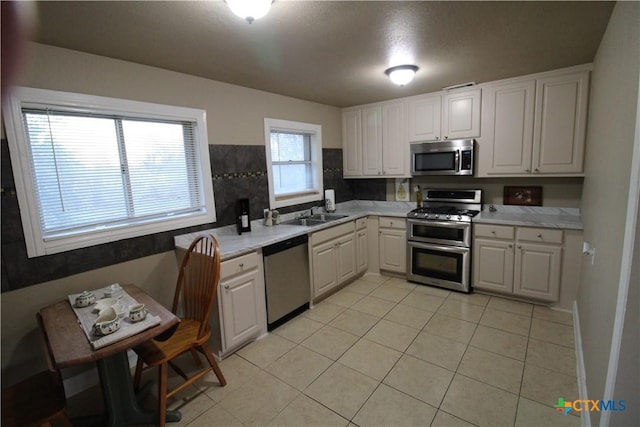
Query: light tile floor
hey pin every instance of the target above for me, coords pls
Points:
(386, 352)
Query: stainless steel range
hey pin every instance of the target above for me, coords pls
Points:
(439, 238)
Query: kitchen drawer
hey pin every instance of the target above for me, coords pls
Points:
(493, 231)
(540, 235)
(331, 233)
(389, 222)
(361, 223)
(238, 265)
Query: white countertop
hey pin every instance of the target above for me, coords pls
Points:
(533, 216)
(232, 244)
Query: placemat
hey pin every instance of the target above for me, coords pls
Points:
(87, 316)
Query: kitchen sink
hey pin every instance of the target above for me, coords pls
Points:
(315, 219)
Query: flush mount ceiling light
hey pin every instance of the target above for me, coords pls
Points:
(402, 74)
(250, 9)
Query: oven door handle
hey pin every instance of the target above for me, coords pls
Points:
(443, 224)
(443, 248)
(457, 160)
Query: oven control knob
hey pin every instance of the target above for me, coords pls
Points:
(448, 216)
(436, 216)
(459, 217)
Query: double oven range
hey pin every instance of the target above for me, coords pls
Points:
(439, 238)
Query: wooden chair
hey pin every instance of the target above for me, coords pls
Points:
(196, 290)
(36, 400)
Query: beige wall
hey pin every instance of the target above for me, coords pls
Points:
(21, 350)
(610, 139)
(235, 114)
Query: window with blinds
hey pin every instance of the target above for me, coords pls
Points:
(94, 173)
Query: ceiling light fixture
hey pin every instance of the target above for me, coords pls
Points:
(250, 9)
(402, 74)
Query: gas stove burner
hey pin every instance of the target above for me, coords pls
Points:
(449, 205)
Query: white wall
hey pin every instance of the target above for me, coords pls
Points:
(610, 139)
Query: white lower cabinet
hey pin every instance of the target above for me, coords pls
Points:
(522, 261)
(333, 257)
(393, 244)
(362, 246)
(241, 301)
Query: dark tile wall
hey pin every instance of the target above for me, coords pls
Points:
(238, 171)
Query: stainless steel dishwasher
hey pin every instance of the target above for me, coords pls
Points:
(286, 274)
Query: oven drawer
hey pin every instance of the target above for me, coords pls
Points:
(494, 231)
(540, 235)
(388, 222)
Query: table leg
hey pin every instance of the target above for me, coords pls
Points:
(119, 397)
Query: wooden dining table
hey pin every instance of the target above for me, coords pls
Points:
(69, 347)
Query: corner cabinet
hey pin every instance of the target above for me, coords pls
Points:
(393, 244)
(333, 257)
(241, 302)
(362, 245)
(520, 261)
(374, 141)
(534, 126)
(444, 115)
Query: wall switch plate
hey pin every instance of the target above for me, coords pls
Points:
(588, 249)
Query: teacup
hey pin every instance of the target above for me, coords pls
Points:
(137, 312)
(85, 299)
(103, 303)
(107, 322)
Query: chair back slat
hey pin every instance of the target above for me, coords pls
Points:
(198, 280)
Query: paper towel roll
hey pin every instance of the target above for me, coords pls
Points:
(330, 200)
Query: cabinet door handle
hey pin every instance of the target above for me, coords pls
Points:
(511, 246)
(536, 170)
(527, 170)
(446, 137)
(539, 236)
(226, 287)
(241, 265)
(519, 246)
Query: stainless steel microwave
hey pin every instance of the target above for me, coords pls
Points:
(454, 157)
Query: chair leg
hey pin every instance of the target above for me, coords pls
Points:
(214, 365)
(162, 394)
(138, 374)
(196, 358)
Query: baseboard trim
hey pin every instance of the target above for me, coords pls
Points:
(585, 418)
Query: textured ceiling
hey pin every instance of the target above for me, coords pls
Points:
(334, 52)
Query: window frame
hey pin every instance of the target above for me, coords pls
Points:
(315, 133)
(20, 153)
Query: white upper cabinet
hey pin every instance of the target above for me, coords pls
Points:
(560, 123)
(424, 113)
(371, 141)
(445, 115)
(461, 114)
(352, 143)
(534, 126)
(374, 140)
(507, 125)
(395, 150)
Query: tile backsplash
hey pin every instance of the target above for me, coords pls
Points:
(238, 171)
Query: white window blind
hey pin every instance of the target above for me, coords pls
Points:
(90, 171)
(91, 175)
(291, 163)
